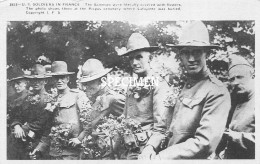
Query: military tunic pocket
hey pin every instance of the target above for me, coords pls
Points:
(67, 103)
(187, 115)
(67, 112)
(190, 102)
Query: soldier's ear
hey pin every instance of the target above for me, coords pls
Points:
(253, 74)
(68, 78)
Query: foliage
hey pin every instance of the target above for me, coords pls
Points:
(107, 136)
(90, 148)
(233, 37)
(60, 136)
(77, 41)
(118, 125)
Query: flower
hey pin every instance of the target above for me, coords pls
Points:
(51, 102)
(112, 126)
(34, 99)
(60, 136)
(142, 87)
(172, 96)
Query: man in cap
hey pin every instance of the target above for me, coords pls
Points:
(238, 140)
(105, 101)
(202, 107)
(31, 119)
(68, 104)
(145, 106)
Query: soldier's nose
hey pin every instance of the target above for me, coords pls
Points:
(191, 58)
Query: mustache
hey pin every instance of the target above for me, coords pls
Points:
(236, 88)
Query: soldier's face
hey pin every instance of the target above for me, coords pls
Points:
(241, 79)
(61, 81)
(193, 59)
(37, 84)
(139, 62)
(91, 87)
(19, 85)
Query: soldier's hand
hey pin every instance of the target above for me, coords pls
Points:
(74, 142)
(155, 157)
(232, 134)
(34, 155)
(18, 132)
(147, 153)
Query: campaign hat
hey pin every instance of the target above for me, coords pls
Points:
(137, 42)
(93, 69)
(60, 68)
(195, 34)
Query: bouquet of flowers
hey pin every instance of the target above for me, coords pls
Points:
(60, 136)
(33, 99)
(51, 102)
(141, 88)
(90, 148)
(108, 136)
(118, 125)
(172, 96)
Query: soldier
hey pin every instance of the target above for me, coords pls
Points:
(238, 141)
(20, 85)
(31, 118)
(105, 100)
(68, 104)
(202, 107)
(145, 105)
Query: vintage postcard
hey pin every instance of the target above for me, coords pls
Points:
(130, 80)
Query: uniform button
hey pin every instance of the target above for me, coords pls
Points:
(188, 86)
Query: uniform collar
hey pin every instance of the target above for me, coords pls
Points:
(191, 81)
(64, 92)
(23, 93)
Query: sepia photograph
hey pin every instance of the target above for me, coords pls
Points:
(130, 90)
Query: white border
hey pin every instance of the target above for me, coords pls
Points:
(191, 10)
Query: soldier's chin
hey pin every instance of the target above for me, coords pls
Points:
(60, 87)
(139, 71)
(192, 71)
(241, 92)
(18, 91)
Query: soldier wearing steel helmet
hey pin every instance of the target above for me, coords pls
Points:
(202, 107)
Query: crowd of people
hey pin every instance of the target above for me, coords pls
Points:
(206, 122)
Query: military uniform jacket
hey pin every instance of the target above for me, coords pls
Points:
(67, 113)
(14, 103)
(199, 118)
(107, 102)
(32, 114)
(243, 122)
(110, 100)
(150, 111)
